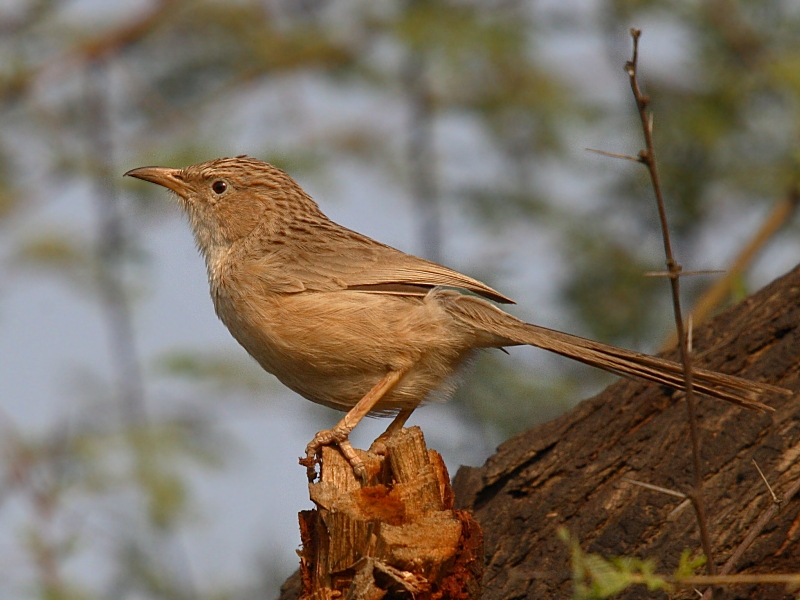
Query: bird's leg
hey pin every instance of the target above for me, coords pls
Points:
(379, 445)
(339, 434)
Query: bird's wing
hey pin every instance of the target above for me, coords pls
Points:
(339, 259)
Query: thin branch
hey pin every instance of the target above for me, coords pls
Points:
(689, 336)
(681, 273)
(730, 564)
(788, 579)
(647, 156)
(655, 488)
(98, 47)
(615, 155)
(769, 487)
(110, 43)
(739, 579)
(773, 510)
(678, 509)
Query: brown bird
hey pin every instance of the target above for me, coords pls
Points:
(356, 325)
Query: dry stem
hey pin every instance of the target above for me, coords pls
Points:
(647, 157)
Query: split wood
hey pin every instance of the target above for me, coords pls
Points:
(396, 537)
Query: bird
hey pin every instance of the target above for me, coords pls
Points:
(356, 325)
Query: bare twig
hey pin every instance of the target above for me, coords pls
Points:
(615, 155)
(730, 564)
(647, 157)
(788, 579)
(769, 487)
(655, 488)
(102, 46)
(743, 578)
(773, 510)
(683, 273)
(675, 511)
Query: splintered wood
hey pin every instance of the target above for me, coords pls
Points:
(397, 537)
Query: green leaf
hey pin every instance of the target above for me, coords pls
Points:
(595, 577)
(688, 565)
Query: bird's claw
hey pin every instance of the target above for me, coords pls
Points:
(379, 447)
(328, 437)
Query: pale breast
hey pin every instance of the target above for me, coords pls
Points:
(333, 347)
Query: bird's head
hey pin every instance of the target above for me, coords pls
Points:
(228, 198)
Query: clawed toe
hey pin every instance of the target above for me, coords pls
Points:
(359, 468)
(322, 438)
(328, 437)
(378, 447)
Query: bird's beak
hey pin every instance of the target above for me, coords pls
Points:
(171, 179)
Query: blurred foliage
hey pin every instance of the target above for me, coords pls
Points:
(92, 88)
(597, 577)
(506, 397)
(227, 374)
(612, 295)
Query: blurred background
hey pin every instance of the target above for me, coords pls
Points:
(144, 455)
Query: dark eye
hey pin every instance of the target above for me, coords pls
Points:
(219, 187)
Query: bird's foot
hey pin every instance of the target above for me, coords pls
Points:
(379, 445)
(328, 437)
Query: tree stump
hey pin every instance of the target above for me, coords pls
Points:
(396, 537)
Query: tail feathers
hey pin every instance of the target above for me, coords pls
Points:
(481, 315)
(658, 370)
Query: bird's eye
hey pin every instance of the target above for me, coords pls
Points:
(219, 187)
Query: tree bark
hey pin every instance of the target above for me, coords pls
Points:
(569, 472)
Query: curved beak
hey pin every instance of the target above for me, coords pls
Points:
(171, 179)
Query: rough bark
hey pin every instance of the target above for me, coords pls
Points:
(568, 472)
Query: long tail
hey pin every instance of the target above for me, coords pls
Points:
(483, 316)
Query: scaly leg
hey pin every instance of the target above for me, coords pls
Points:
(379, 445)
(338, 435)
